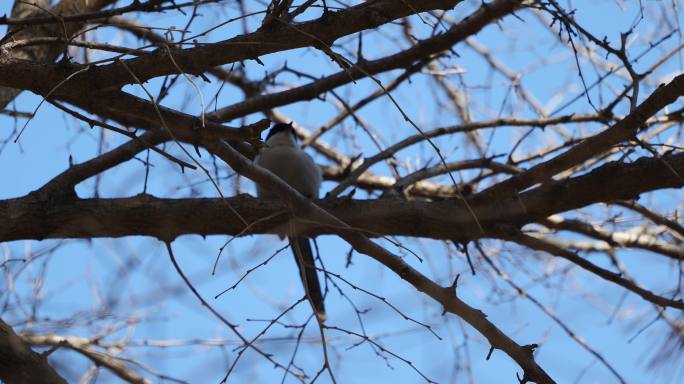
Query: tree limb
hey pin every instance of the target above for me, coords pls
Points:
(20, 365)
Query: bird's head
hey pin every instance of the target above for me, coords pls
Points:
(281, 134)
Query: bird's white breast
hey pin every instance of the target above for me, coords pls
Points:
(294, 166)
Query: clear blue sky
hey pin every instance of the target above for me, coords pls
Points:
(134, 278)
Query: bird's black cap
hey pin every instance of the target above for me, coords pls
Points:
(280, 127)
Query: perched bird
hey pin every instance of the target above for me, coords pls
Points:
(285, 159)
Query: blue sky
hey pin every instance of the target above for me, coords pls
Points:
(132, 278)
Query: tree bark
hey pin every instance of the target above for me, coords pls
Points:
(48, 52)
(38, 216)
(21, 365)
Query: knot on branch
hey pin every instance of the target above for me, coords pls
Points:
(55, 193)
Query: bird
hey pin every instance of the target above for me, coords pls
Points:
(283, 157)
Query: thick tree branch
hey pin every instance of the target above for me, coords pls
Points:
(44, 53)
(274, 38)
(624, 129)
(421, 51)
(326, 30)
(133, 111)
(19, 73)
(19, 364)
(448, 219)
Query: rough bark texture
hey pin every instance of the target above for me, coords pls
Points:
(38, 216)
(46, 53)
(19, 364)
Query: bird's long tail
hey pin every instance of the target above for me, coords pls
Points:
(307, 271)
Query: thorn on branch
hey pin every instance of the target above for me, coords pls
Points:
(349, 195)
(524, 378)
(349, 258)
(517, 17)
(529, 348)
(454, 285)
(489, 354)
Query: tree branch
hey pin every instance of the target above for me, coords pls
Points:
(20, 365)
(448, 219)
(624, 129)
